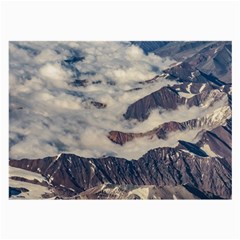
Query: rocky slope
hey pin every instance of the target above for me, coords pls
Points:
(212, 63)
(185, 164)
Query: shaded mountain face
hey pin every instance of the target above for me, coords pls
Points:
(166, 97)
(128, 120)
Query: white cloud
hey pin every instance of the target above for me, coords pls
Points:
(53, 72)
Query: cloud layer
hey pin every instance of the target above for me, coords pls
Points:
(49, 115)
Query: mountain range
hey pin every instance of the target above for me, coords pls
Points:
(183, 128)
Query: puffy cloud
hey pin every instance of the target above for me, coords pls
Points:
(53, 72)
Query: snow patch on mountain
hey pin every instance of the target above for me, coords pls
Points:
(25, 174)
(34, 191)
(208, 150)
